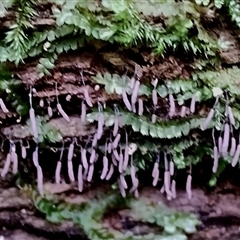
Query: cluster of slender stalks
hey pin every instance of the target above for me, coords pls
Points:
(117, 157)
(132, 101)
(226, 143)
(118, 153)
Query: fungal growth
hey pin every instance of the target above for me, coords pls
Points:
(3, 106)
(49, 109)
(126, 153)
(23, 150)
(118, 95)
(167, 177)
(126, 101)
(59, 166)
(189, 186)
(193, 103)
(105, 165)
(83, 112)
(226, 144)
(172, 108)
(85, 91)
(100, 121)
(135, 94)
(70, 164)
(183, 111)
(59, 107)
(80, 178)
(14, 157)
(155, 171)
(140, 107)
(210, 115)
(117, 121)
(41, 103)
(6, 165)
(39, 170)
(32, 116)
(233, 144)
(237, 154)
(109, 147)
(84, 159)
(215, 154)
(115, 148)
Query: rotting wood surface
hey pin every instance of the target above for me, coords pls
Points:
(218, 211)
